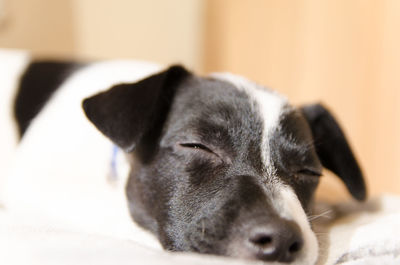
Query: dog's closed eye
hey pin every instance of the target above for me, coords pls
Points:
(309, 172)
(203, 149)
(197, 146)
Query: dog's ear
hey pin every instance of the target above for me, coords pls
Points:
(333, 149)
(131, 113)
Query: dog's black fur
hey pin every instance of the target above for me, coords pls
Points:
(198, 181)
(39, 81)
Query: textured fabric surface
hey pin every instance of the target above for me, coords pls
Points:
(354, 234)
(361, 233)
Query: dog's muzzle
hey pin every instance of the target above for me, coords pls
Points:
(279, 240)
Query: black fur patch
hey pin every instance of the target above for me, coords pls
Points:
(39, 81)
(294, 155)
(333, 149)
(132, 115)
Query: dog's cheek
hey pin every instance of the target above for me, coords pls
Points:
(198, 215)
(209, 230)
(305, 189)
(149, 191)
(192, 225)
(201, 171)
(226, 205)
(184, 200)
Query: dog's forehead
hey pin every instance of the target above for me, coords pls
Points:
(232, 112)
(268, 105)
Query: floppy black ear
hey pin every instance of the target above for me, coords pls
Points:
(333, 149)
(128, 113)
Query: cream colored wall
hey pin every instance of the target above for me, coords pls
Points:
(164, 31)
(343, 53)
(156, 30)
(42, 26)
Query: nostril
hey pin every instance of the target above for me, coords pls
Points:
(261, 240)
(295, 247)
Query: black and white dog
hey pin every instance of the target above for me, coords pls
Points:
(218, 164)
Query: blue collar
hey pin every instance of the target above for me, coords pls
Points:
(113, 174)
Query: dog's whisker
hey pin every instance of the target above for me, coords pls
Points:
(323, 214)
(203, 230)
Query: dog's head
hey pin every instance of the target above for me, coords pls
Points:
(221, 165)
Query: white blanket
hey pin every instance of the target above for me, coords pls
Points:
(353, 234)
(361, 233)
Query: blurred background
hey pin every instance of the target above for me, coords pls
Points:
(343, 53)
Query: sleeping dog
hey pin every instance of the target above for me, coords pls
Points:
(218, 164)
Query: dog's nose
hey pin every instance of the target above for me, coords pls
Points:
(279, 241)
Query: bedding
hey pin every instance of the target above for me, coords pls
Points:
(361, 233)
(349, 234)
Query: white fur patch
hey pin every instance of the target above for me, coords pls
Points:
(63, 161)
(288, 206)
(12, 64)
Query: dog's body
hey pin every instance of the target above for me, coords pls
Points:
(62, 165)
(218, 164)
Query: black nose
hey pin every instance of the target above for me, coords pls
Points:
(279, 240)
